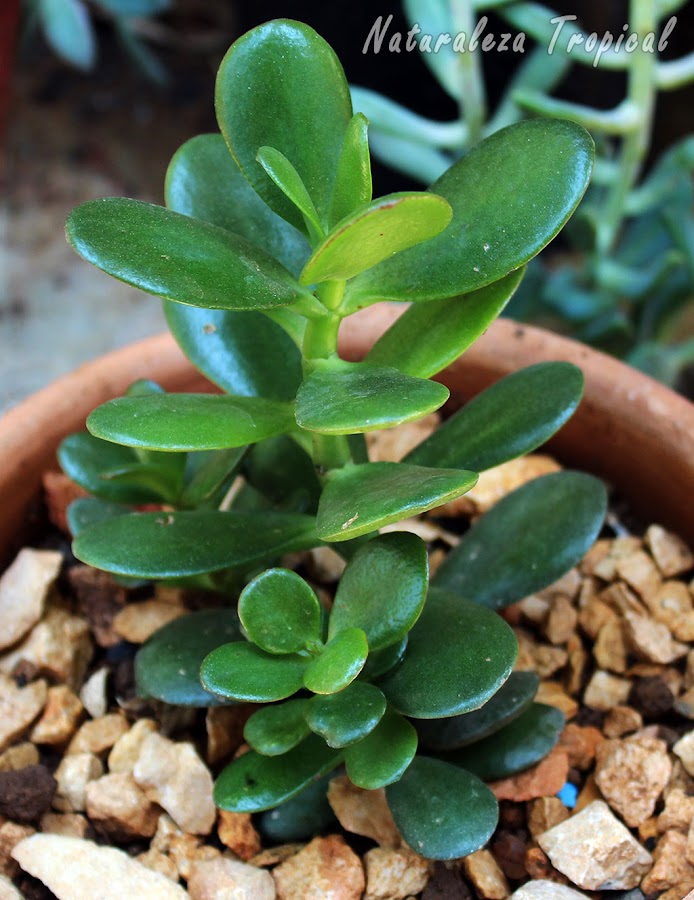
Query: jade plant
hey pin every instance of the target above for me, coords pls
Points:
(270, 240)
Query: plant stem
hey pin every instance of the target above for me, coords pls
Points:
(473, 102)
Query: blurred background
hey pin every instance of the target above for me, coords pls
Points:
(96, 96)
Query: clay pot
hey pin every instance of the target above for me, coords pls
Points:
(628, 429)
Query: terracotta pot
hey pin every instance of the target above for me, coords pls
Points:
(629, 429)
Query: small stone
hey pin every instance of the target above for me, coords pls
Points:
(394, 874)
(24, 587)
(7, 890)
(392, 444)
(595, 851)
(137, 622)
(652, 640)
(126, 750)
(93, 693)
(678, 813)
(567, 586)
(577, 665)
(535, 609)
(486, 876)
(227, 879)
(538, 865)
(174, 776)
(561, 621)
(509, 852)
(553, 694)
(100, 599)
(588, 793)
(605, 691)
(19, 757)
(670, 602)
(65, 824)
(544, 813)
(684, 705)
(648, 829)
(594, 616)
(631, 775)
(546, 890)
(326, 867)
(99, 735)
(602, 559)
(363, 812)
(546, 778)
(325, 565)
(670, 864)
(671, 554)
(80, 870)
(10, 835)
(621, 720)
(640, 572)
(25, 794)
(18, 708)
(59, 718)
(610, 648)
(274, 855)
(119, 808)
(159, 862)
(446, 884)
(623, 600)
(684, 749)
(236, 832)
(73, 774)
(224, 726)
(580, 742)
(548, 660)
(651, 696)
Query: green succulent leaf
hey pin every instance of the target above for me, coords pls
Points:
(68, 29)
(85, 459)
(509, 702)
(340, 662)
(385, 227)
(179, 258)
(167, 667)
(273, 86)
(361, 499)
(253, 782)
(211, 475)
(288, 180)
(280, 612)
(442, 812)
(242, 671)
(284, 473)
(176, 544)
(353, 181)
(203, 181)
(190, 421)
(458, 656)
(364, 398)
(451, 325)
(346, 717)
(438, 17)
(520, 744)
(274, 730)
(527, 540)
(382, 661)
(382, 756)
(163, 481)
(512, 417)
(87, 511)
(232, 349)
(510, 196)
(300, 818)
(383, 589)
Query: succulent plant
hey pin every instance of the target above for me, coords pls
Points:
(270, 240)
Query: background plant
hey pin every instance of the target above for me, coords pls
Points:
(270, 240)
(629, 273)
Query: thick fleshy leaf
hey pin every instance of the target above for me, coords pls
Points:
(165, 482)
(450, 325)
(387, 226)
(284, 473)
(204, 181)
(458, 656)
(86, 511)
(346, 717)
(276, 729)
(510, 196)
(68, 29)
(211, 475)
(167, 667)
(301, 817)
(281, 85)
(512, 699)
(339, 664)
(242, 671)
(85, 458)
(527, 540)
(233, 349)
(520, 744)
(512, 417)
(280, 612)
(381, 661)
(383, 589)
(172, 545)
(360, 499)
(178, 258)
(288, 180)
(353, 182)
(190, 421)
(382, 756)
(364, 398)
(442, 812)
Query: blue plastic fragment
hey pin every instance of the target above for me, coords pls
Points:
(568, 795)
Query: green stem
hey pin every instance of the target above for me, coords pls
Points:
(473, 101)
